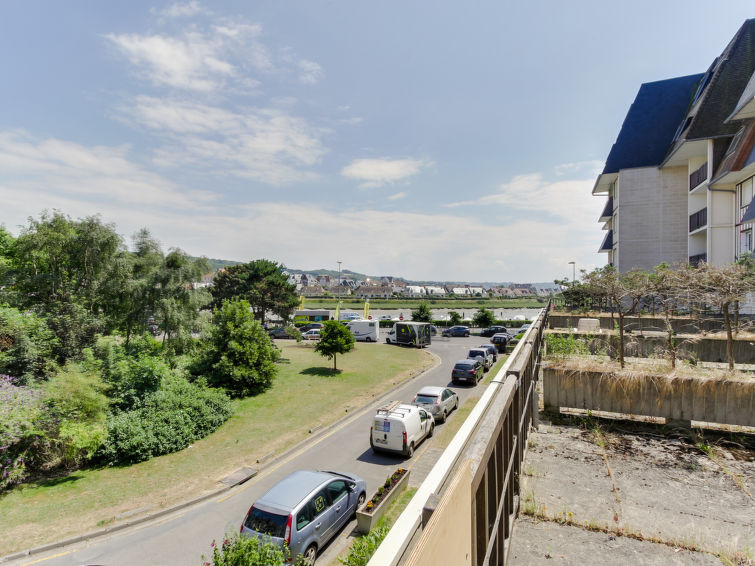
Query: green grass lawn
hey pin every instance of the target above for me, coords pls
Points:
(305, 393)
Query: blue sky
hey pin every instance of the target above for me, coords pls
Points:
(425, 139)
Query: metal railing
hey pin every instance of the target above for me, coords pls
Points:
(698, 219)
(481, 466)
(700, 175)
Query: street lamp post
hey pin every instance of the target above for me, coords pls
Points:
(573, 271)
(339, 278)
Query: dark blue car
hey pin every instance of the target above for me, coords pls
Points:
(456, 331)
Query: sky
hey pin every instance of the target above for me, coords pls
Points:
(430, 140)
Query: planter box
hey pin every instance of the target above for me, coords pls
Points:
(366, 520)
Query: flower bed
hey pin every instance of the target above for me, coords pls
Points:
(369, 514)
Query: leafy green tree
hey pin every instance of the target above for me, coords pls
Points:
(483, 318)
(7, 242)
(422, 313)
(335, 339)
(262, 283)
(237, 353)
(454, 318)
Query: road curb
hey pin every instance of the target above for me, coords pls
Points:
(269, 459)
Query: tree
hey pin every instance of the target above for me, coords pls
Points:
(723, 287)
(260, 282)
(335, 338)
(454, 318)
(422, 313)
(665, 286)
(623, 291)
(237, 353)
(483, 318)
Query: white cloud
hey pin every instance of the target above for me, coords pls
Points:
(591, 168)
(180, 10)
(311, 72)
(263, 144)
(378, 172)
(397, 196)
(42, 170)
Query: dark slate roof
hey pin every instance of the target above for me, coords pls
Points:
(727, 79)
(607, 244)
(651, 123)
(749, 215)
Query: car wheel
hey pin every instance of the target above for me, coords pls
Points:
(410, 450)
(387, 341)
(444, 416)
(368, 339)
(360, 502)
(432, 430)
(456, 406)
(310, 555)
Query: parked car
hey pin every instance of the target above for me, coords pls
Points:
(483, 355)
(433, 330)
(500, 341)
(313, 334)
(522, 329)
(438, 401)
(278, 333)
(386, 317)
(489, 331)
(456, 331)
(305, 510)
(492, 349)
(311, 326)
(467, 370)
(400, 428)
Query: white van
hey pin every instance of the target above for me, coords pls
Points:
(400, 428)
(365, 330)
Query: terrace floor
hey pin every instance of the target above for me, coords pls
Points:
(600, 492)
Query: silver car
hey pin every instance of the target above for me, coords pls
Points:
(492, 349)
(438, 401)
(482, 353)
(304, 510)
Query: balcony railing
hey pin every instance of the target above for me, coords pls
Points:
(698, 176)
(695, 260)
(698, 219)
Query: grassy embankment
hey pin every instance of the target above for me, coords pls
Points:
(306, 393)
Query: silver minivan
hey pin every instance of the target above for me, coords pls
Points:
(305, 509)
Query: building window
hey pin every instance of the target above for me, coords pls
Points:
(744, 196)
(745, 241)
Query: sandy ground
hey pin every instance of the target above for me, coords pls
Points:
(607, 492)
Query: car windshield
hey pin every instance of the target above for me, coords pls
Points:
(266, 523)
(476, 354)
(463, 366)
(426, 398)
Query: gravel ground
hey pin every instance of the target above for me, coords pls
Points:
(602, 492)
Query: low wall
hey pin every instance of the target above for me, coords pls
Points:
(689, 346)
(681, 325)
(725, 401)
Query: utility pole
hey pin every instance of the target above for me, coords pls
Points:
(573, 271)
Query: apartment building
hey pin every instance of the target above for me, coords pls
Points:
(679, 179)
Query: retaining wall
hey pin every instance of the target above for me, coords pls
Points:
(725, 401)
(681, 325)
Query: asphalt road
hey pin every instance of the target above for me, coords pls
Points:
(182, 537)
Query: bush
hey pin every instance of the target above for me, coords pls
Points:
(365, 546)
(21, 436)
(560, 345)
(26, 345)
(237, 354)
(167, 421)
(78, 407)
(238, 550)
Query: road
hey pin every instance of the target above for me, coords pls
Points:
(182, 537)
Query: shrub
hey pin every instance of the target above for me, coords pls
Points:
(167, 421)
(237, 354)
(21, 436)
(78, 407)
(26, 345)
(365, 546)
(567, 345)
(238, 550)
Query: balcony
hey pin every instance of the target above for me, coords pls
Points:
(695, 260)
(698, 177)
(607, 213)
(698, 219)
